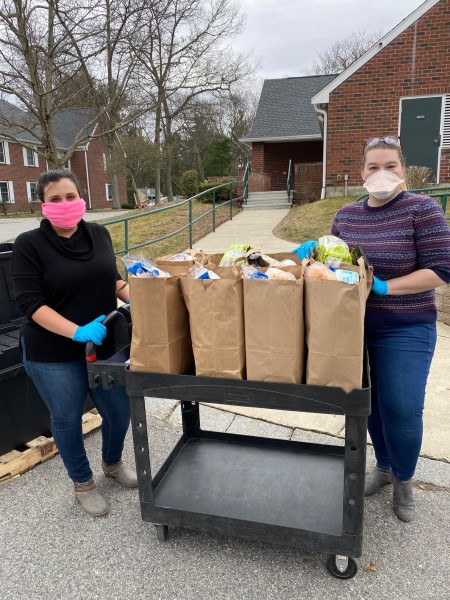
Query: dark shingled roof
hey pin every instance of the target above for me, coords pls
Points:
(11, 115)
(285, 109)
(66, 123)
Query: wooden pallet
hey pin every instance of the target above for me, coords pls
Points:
(16, 462)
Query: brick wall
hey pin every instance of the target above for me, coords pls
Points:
(416, 63)
(98, 178)
(307, 182)
(19, 174)
(273, 159)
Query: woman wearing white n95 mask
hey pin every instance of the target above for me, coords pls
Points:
(406, 239)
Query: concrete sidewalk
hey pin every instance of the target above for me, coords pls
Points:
(11, 228)
(256, 228)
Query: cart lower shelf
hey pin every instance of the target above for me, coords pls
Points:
(275, 486)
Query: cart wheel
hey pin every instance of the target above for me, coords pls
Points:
(349, 572)
(161, 532)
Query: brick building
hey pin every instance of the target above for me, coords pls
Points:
(400, 86)
(20, 167)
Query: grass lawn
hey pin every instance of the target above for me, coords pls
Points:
(151, 226)
(310, 221)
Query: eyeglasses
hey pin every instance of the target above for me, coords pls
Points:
(392, 140)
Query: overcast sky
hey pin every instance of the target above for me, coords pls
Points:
(287, 35)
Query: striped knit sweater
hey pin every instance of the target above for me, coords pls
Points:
(408, 233)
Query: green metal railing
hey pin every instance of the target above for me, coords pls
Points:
(441, 193)
(246, 178)
(191, 222)
(288, 182)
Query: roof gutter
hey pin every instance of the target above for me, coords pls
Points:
(323, 116)
(87, 177)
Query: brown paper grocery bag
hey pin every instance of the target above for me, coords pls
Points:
(334, 320)
(177, 267)
(216, 315)
(274, 329)
(161, 341)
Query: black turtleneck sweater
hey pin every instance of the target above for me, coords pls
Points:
(75, 276)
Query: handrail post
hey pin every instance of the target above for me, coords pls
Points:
(214, 211)
(126, 236)
(231, 201)
(444, 202)
(190, 222)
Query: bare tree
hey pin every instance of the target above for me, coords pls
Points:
(186, 57)
(340, 55)
(48, 47)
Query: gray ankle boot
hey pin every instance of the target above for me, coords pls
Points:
(124, 475)
(89, 498)
(404, 505)
(376, 479)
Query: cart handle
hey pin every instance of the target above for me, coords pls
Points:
(91, 350)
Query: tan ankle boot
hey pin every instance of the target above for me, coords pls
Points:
(89, 498)
(124, 475)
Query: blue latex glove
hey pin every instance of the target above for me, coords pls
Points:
(304, 250)
(379, 286)
(92, 332)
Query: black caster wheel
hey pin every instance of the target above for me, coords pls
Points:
(161, 532)
(350, 571)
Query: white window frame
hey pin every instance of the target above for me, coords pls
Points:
(25, 157)
(108, 186)
(29, 184)
(10, 188)
(5, 152)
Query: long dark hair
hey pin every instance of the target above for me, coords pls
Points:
(52, 177)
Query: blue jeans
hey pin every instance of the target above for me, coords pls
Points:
(63, 387)
(399, 358)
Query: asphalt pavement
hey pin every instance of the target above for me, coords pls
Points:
(50, 549)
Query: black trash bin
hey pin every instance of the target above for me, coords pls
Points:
(23, 414)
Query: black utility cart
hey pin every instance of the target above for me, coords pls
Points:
(310, 496)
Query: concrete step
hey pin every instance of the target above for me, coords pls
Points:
(266, 206)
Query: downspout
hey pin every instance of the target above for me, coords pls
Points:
(323, 117)
(87, 178)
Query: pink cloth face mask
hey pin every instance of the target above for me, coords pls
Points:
(66, 214)
(382, 184)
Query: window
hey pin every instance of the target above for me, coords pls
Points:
(66, 164)
(108, 192)
(4, 153)
(30, 158)
(6, 191)
(31, 191)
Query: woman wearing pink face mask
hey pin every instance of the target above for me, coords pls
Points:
(66, 281)
(406, 239)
